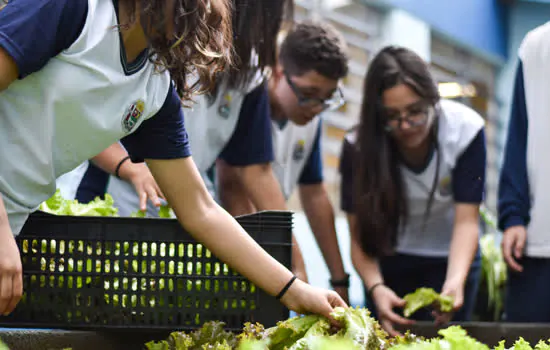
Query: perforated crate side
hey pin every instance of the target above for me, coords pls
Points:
(127, 273)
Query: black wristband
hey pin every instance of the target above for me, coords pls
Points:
(344, 282)
(285, 289)
(120, 164)
(371, 289)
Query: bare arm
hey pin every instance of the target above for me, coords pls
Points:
(138, 174)
(11, 278)
(231, 191)
(8, 70)
(210, 224)
(255, 187)
(463, 248)
(464, 241)
(320, 215)
(366, 267)
(109, 159)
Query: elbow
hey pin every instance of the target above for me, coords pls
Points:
(199, 214)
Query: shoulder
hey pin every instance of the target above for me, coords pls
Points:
(257, 79)
(458, 116)
(458, 126)
(534, 41)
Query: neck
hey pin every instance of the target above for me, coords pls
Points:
(417, 156)
(276, 110)
(133, 36)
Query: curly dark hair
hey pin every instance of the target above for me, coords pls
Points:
(314, 45)
(200, 44)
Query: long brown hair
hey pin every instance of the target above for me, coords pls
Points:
(200, 43)
(381, 192)
(256, 24)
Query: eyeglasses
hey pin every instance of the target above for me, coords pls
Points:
(331, 103)
(415, 117)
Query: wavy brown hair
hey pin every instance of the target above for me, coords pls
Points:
(200, 42)
(380, 189)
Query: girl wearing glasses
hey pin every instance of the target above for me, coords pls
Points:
(312, 59)
(413, 174)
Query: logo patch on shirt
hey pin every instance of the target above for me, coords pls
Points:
(132, 115)
(225, 106)
(445, 186)
(299, 150)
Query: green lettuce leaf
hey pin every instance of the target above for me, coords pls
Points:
(424, 297)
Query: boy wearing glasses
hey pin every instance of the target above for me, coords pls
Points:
(304, 83)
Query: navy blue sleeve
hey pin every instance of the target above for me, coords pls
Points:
(93, 184)
(161, 137)
(251, 142)
(346, 177)
(33, 31)
(469, 172)
(514, 203)
(313, 170)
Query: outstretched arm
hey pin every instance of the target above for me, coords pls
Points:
(320, 215)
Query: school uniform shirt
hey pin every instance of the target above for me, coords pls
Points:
(524, 185)
(76, 96)
(461, 180)
(297, 150)
(235, 128)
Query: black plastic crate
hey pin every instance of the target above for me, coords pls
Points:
(104, 273)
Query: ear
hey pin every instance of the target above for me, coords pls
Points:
(278, 72)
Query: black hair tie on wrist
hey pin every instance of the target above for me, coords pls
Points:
(374, 287)
(344, 282)
(120, 164)
(285, 289)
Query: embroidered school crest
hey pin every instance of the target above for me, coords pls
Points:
(225, 106)
(299, 150)
(132, 115)
(445, 186)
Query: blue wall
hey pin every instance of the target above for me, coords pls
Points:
(478, 24)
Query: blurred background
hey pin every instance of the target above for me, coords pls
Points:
(472, 49)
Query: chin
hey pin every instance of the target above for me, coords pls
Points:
(299, 121)
(411, 143)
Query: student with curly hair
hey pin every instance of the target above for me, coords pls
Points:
(231, 123)
(78, 75)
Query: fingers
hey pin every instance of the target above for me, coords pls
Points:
(6, 292)
(142, 200)
(395, 318)
(153, 197)
(442, 318)
(158, 190)
(17, 292)
(388, 327)
(398, 302)
(520, 245)
(508, 242)
(336, 300)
